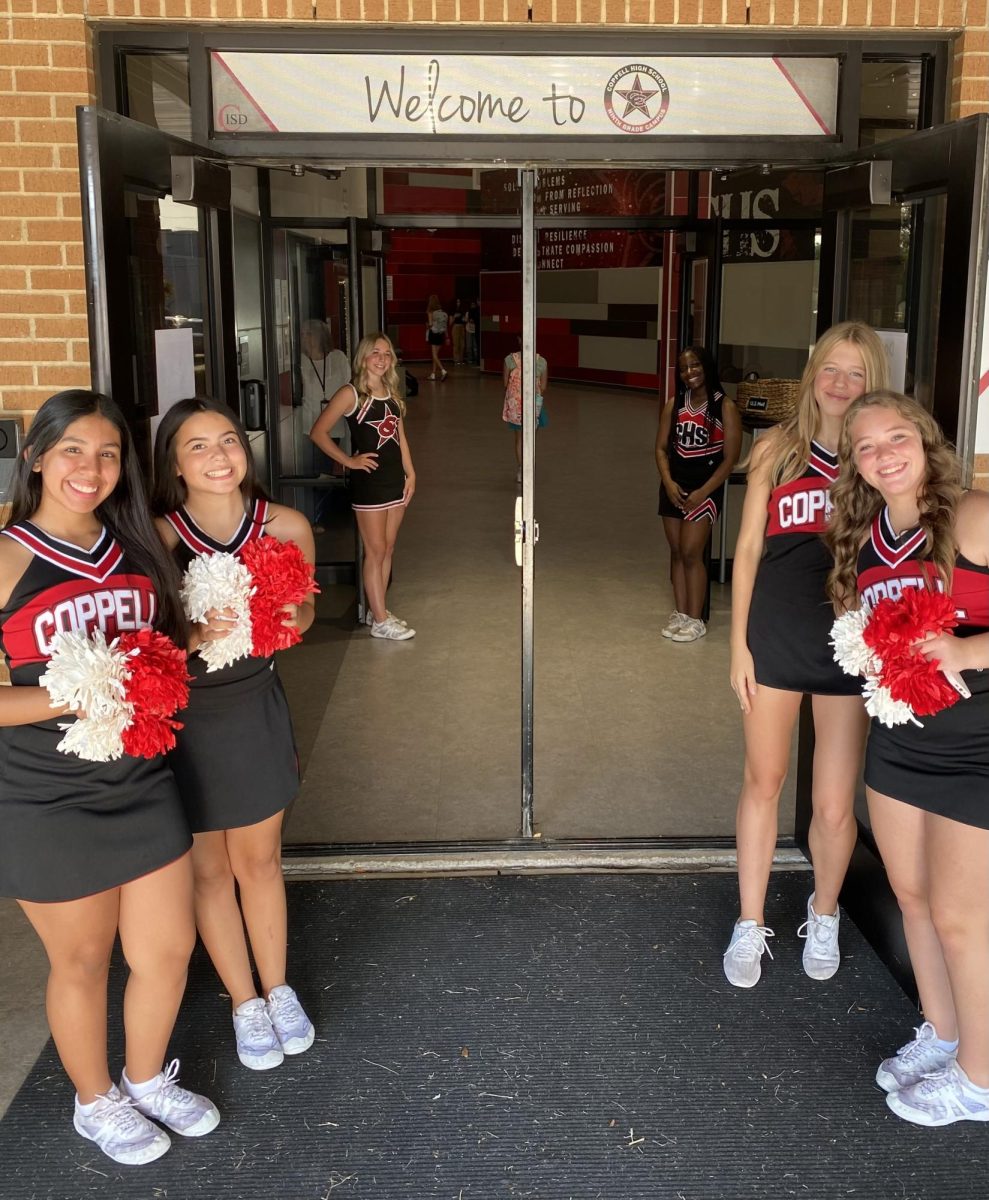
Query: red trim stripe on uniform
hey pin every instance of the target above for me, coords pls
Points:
(97, 571)
(823, 462)
(187, 534)
(888, 546)
(706, 508)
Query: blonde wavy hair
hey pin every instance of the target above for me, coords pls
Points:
(390, 377)
(856, 504)
(796, 433)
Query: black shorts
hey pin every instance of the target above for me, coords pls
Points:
(435, 339)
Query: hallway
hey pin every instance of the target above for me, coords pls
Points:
(419, 741)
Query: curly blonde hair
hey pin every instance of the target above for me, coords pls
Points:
(390, 377)
(856, 504)
(796, 433)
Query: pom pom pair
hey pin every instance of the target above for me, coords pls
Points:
(255, 588)
(879, 644)
(128, 692)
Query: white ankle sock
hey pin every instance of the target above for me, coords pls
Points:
(139, 1090)
(947, 1047)
(85, 1109)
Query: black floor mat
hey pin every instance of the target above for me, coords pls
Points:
(554, 1037)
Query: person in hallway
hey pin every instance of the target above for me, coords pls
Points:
(901, 520)
(511, 412)
(323, 371)
(697, 446)
(780, 624)
(235, 759)
(473, 334)
(91, 850)
(458, 332)
(437, 332)
(382, 478)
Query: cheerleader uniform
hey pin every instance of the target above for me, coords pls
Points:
(71, 828)
(374, 424)
(235, 758)
(790, 616)
(696, 450)
(943, 767)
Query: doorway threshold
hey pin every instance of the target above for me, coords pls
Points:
(307, 863)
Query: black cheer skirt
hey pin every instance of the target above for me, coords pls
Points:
(942, 768)
(235, 762)
(71, 828)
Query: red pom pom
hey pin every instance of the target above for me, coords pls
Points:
(157, 686)
(891, 632)
(281, 576)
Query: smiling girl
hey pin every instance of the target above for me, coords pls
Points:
(235, 761)
(901, 520)
(780, 623)
(91, 850)
(382, 478)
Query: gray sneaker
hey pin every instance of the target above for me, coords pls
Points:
(942, 1098)
(288, 1018)
(913, 1061)
(120, 1131)
(258, 1047)
(180, 1110)
(392, 630)
(673, 624)
(691, 629)
(821, 956)
(743, 958)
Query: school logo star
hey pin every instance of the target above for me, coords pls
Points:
(644, 106)
(387, 429)
(637, 98)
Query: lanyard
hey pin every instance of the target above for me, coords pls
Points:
(320, 379)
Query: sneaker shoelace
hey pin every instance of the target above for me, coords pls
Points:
(257, 1024)
(753, 942)
(819, 929)
(168, 1094)
(921, 1047)
(118, 1116)
(286, 1010)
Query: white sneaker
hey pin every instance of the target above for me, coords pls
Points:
(913, 1061)
(821, 955)
(180, 1110)
(941, 1098)
(673, 624)
(288, 1018)
(743, 958)
(120, 1131)
(392, 630)
(258, 1047)
(691, 628)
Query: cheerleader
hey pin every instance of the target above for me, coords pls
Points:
(92, 850)
(697, 447)
(235, 760)
(382, 478)
(901, 520)
(780, 623)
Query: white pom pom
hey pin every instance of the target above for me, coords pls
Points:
(880, 704)
(850, 651)
(85, 673)
(96, 740)
(218, 582)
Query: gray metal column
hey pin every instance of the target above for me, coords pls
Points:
(528, 480)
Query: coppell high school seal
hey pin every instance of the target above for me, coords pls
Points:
(636, 98)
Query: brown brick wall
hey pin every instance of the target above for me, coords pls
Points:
(46, 71)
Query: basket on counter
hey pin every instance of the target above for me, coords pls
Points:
(772, 399)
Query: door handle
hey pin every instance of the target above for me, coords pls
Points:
(520, 537)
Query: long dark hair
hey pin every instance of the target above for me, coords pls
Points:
(124, 512)
(169, 491)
